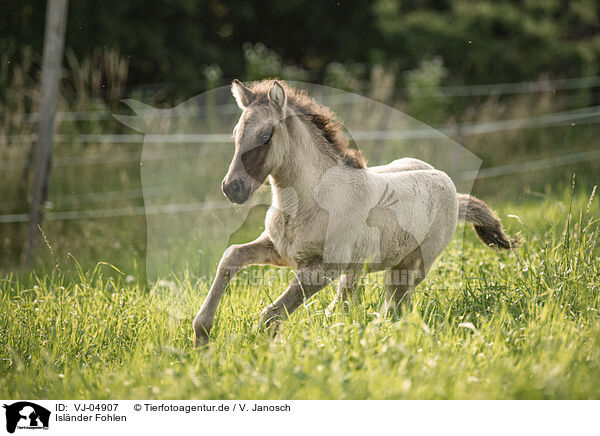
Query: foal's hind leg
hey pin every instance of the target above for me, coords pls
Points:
(402, 279)
(259, 251)
(345, 291)
(306, 283)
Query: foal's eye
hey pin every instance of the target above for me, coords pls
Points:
(265, 137)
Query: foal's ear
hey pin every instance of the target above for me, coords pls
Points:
(277, 95)
(243, 95)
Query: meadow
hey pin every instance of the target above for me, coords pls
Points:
(91, 319)
(520, 324)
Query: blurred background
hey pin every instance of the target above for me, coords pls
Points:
(517, 83)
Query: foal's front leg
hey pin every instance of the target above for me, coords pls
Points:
(307, 282)
(259, 251)
(345, 291)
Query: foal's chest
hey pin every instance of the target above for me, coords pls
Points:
(299, 240)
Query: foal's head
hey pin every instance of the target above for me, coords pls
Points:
(259, 137)
(275, 124)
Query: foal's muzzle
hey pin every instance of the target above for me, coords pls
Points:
(236, 191)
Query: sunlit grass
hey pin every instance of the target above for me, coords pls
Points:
(485, 324)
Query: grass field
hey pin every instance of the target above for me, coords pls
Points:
(524, 324)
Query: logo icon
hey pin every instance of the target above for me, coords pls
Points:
(26, 415)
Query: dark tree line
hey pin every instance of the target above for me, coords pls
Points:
(172, 41)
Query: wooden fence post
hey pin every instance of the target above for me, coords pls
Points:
(54, 41)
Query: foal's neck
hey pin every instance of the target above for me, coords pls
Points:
(294, 183)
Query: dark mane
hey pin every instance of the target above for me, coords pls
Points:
(323, 118)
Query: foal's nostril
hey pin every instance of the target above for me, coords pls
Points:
(237, 187)
(235, 191)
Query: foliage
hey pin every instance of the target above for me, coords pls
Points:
(423, 100)
(495, 41)
(480, 42)
(262, 63)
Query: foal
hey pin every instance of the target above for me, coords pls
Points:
(331, 215)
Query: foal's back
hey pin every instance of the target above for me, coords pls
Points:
(383, 214)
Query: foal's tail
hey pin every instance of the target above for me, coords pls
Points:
(485, 222)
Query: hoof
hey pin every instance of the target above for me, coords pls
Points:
(270, 320)
(200, 340)
(201, 330)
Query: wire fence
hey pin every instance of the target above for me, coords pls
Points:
(511, 88)
(120, 211)
(501, 170)
(521, 87)
(587, 115)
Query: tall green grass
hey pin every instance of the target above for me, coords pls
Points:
(484, 324)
